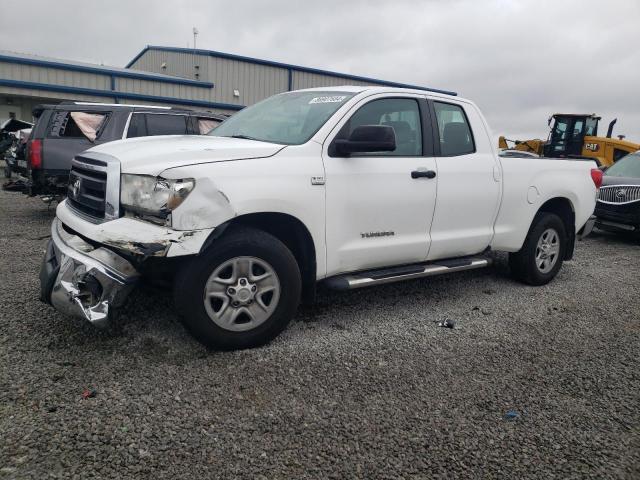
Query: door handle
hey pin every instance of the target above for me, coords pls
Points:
(423, 173)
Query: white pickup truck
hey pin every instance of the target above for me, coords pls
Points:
(353, 186)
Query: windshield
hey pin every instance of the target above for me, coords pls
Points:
(289, 118)
(628, 166)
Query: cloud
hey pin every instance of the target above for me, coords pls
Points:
(519, 60)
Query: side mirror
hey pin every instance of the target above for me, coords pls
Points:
(367, 139)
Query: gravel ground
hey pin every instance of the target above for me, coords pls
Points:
(364, 385)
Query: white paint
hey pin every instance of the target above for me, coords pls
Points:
(376, 194)
(468, 196)
(152, 155)
(128, 230)
(476, 201)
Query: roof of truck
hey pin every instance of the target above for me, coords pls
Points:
(375, 89)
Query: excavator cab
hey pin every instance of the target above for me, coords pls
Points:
(567, 134)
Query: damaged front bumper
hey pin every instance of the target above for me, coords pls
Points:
(81, 280)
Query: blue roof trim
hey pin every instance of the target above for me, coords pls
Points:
(297, 68)
(113, 94)
(103, 71)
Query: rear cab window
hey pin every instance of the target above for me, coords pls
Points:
(456, 137)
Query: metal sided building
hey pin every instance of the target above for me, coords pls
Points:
(239, 80)
(27, 80)
(168, 76)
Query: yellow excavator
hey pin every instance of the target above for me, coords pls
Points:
(575, 136)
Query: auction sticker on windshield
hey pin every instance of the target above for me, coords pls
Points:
(331, 99)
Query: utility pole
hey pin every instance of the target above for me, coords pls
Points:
(196, 67)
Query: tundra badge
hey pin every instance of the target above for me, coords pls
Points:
(377, 234)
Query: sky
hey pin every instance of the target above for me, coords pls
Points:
(520, 61)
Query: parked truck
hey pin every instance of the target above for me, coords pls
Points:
(351, 186)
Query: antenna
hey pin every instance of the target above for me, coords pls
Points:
(195, 34)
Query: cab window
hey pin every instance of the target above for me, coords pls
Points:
(559, 130)
(577, 129)
(454, 130)
(401, 114)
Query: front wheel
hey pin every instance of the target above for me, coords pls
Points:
(540, 258)
(241, 293)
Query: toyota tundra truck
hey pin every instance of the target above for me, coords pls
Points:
(350, 186)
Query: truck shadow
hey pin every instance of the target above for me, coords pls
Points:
(453, 287)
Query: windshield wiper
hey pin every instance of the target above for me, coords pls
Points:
(246, 137)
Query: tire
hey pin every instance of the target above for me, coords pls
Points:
(528, 265)
(263, 305)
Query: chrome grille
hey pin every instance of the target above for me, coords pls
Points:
(87, 188)
(618, 194)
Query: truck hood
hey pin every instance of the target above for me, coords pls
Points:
(153, 155)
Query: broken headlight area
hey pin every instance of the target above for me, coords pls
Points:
(154, 197)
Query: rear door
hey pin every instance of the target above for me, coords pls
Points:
(69, 133)
(469, 181)
(377, 213)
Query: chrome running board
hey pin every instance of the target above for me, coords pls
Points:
(369, 278)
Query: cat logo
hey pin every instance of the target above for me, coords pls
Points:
(592, 147)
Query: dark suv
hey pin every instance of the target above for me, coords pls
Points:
(63, 131)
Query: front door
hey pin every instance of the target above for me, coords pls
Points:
(377, 213)
(576, 138)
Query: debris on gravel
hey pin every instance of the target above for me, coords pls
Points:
(362, 385)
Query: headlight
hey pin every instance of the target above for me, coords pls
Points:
(153, 195)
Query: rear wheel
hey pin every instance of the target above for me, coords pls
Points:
(241, 293)
(540, 258)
